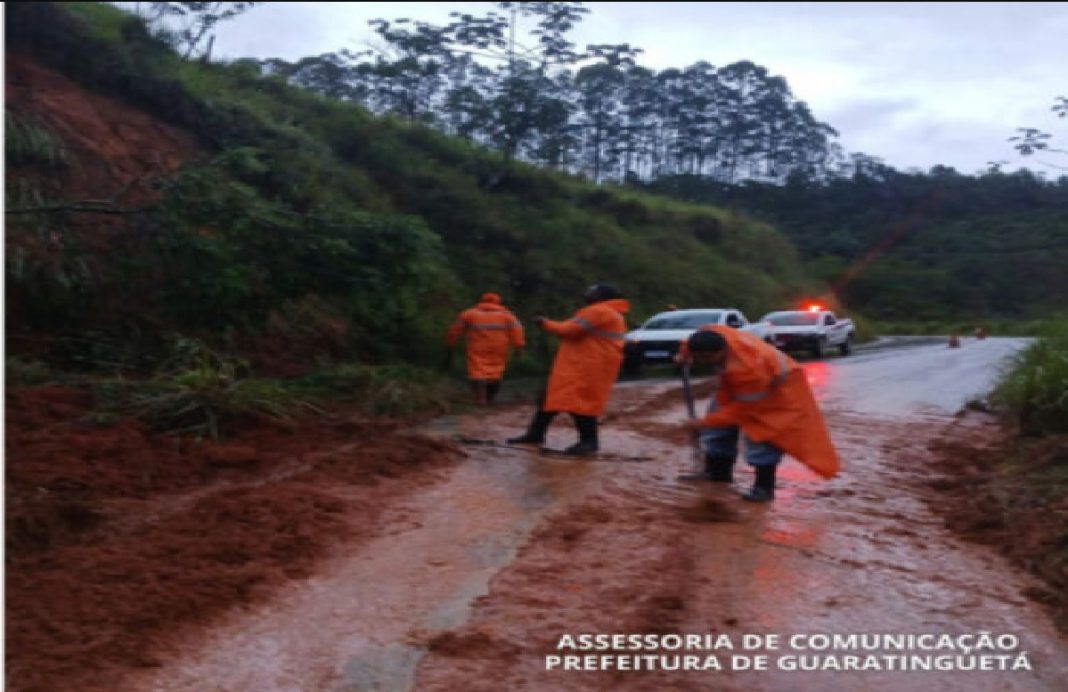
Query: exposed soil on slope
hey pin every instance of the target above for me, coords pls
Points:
(115, 150)
(117, 158)
(106, 157)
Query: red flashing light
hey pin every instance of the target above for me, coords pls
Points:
(814, 308)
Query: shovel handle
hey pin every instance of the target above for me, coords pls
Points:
(687, 390)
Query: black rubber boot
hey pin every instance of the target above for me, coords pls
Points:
(720, 469)
(764, 486)
(587, 430)
(717, 470)
(535, 434)
(492, 388)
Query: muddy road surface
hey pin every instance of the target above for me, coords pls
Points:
(478, 577)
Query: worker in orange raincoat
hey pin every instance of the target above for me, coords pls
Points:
(489, 328)
(584, 370)
(763, 392)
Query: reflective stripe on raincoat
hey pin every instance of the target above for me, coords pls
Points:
(765, 393)
(587, 362)
(489, 329)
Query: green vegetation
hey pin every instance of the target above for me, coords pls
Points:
(30, 143)
(197, 391)
(534, 95)
(307, 227)
(385, 390)
(27, 372)
(933, 248)
(306, 235)
(1023, 483)
(1035, 389)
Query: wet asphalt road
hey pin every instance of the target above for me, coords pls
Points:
(912, 375)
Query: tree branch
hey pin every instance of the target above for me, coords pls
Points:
(89, 206)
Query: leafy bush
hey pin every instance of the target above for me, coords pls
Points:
(199, 392)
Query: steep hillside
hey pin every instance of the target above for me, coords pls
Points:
(150, 197)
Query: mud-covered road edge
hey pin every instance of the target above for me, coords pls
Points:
(1009, 492)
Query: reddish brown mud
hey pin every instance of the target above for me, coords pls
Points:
(299, 575)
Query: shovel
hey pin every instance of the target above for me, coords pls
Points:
(687, 391)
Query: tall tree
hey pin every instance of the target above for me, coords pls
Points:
(600, 88)
(335, 75)
(524, 92)
(410, 63)
(638, 103)
(743, 83)
(530, 93)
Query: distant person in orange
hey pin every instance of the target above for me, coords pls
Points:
(980, 332)
(584, 370)
(763, 393)
(489, 329)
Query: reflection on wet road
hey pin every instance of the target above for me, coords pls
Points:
(922, 378)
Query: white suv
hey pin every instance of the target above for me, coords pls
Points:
(657, 341)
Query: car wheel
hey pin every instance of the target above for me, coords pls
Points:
(846, 347)
(818, 348)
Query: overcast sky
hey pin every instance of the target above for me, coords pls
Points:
(916, 84)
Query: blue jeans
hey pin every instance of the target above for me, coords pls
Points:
(723, 442)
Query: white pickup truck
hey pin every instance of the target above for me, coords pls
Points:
(809, 330)
(657, 341)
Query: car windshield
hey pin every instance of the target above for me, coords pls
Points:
(792, 319)
(692, 320)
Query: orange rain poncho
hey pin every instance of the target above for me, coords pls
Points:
(764, 392)
(489, 328)
(587, 363)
